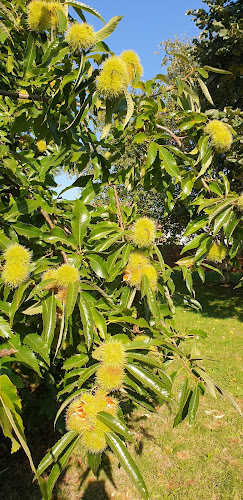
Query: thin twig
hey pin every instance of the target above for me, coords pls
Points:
(176, 139)
(204, 183)
(48, 220)
(24, 95)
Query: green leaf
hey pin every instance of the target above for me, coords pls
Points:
(149, 380)
(98, 265)
(130, 108)
(194, 243)
(61, 464)
(126, 461)
(169, 162)
(193, 405)
(49, 318)
(87, 320)
(143, 359)
(58, 234)
(82, 6)
(23, 207)
(76, 361)
(86, 373)
(94, 461)
(195, 225)
(27, 230)
(221, 220)
(71, 298)
(205, 91)
(80, 221)
(61, 19)
(56, 450)
(26, 357)
(37, 345)
(30, 51)
(181, 56)
(5, 329)
(100, 323)
(4, 241)
(217, 70)
(115, 425)
(107, 29)
(17, 299)
(152, 153)
(182, 398)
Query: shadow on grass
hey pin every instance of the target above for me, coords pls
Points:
(95, 491)
(217, 300)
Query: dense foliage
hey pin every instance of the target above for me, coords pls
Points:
(86, 298)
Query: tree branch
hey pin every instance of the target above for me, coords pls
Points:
(204, 183)
(24, 95)
(176, 139)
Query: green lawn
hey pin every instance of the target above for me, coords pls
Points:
(202, 462)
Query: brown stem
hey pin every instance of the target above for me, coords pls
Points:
(176, 139)
(118, 210)
(24, 95)
(204, 183)
(46, 216)
(189, 370)
(48, 220)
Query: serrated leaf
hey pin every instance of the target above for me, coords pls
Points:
(56, 450)
(5, 329)
(61, 464)
(37, 345)
(82, 6)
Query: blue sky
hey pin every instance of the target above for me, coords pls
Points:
(144, 25)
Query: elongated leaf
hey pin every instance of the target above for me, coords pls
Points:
(100, 323)
(205, 91)
(169, 162)
(58, 234)
(80, 221)
(30, 51)
(217, 70)
(130, 108)
(94, 461)
(71, 298)
(143, 359)
(152, 153)
(27, 230)
(56, 450)
(150, 381)
(193, 405)
(49, 318)
(107, 29)
(61, 464)
(126, 461)
(98, 265)
(17, 299)
(75, 361)
(82, 6)
(115, 425)
(37, 345)
(87, 320)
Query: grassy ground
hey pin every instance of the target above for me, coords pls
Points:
(202, 462)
